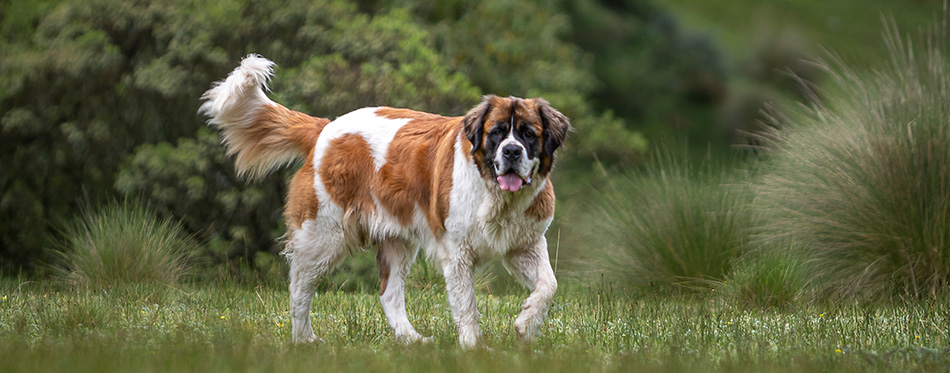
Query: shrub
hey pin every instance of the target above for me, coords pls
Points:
(861, 181)
(194, 181)
(671, 228)
(122, 244)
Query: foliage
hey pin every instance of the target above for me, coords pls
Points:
(359, 60)
(861, 181)
(121, 244)
(98, 79)
(84, 83)
(100, 98)
(675, 227)
(658, 78)
(228, 328)
(524, 48)
(195, 180)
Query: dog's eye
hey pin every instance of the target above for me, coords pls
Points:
(495, 132)
(528, 134)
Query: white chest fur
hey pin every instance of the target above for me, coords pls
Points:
(485, 220)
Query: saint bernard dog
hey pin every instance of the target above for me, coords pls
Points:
(465, 189)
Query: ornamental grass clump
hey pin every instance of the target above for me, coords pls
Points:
(675, 228)
(861, 180)
(123, 243)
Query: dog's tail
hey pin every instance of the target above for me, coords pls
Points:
(263, 134)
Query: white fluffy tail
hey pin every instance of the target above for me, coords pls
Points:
(262, 134)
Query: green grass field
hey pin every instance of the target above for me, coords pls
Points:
(228, 328)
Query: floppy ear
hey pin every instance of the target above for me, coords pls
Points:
(474, 122)
(556, 126)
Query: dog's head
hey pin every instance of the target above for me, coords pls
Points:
(513, 140)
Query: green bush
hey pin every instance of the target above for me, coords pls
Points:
(85, 82)
(99, 98)
(661, 80)
(121, 244)
(195, 180)
(671, 228)
(861, 182)
(526, 49)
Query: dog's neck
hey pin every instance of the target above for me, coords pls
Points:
(500, 205)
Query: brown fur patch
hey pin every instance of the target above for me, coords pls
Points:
(543, 205)
(302, 129)
(383, 270)
(302, 198)
(347, 171)
(533, 114)
(277, 136)
(555, 128)
(418, 169)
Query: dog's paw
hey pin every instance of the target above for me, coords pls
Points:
(526, 331)
(413, 338)
(311, 338)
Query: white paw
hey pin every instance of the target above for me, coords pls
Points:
(525, 329)
(413, 337)
(468, 341)
(307, 338)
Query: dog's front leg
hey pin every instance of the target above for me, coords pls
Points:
(532, 268)
(457, 267)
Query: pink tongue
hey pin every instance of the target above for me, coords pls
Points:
(510, 182)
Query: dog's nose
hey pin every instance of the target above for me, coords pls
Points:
(511, 152)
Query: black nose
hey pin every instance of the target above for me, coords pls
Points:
(511, 152)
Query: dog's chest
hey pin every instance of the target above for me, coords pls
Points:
(501, 225)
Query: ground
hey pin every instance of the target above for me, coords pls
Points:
(228, 328)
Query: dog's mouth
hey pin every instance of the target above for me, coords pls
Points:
(512, 182)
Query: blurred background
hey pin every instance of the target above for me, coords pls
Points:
(99, 103)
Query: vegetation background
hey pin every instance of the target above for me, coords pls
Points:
(732, 160)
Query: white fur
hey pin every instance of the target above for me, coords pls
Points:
(242, 89)
(377, 131)
(234, 104)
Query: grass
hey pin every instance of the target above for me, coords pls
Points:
(767, 279)
(860, 180)
(121, 243)
(676, 226)
(228, 328)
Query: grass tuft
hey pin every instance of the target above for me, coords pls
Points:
(861, 181)
(767, 279)
(122, 244)
(671, 228)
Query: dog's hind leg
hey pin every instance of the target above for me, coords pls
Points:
(395, 257)
(314, 250)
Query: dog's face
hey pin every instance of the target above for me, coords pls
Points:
(513, 140)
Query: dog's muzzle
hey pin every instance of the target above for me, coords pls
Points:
(513, 168)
